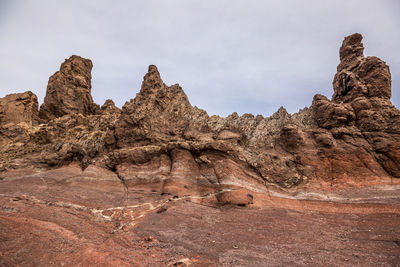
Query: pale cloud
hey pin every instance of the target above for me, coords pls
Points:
(244, 56)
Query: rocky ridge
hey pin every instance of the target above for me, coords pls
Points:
(159, 140)
(161, 183)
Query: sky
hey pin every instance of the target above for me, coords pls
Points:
(244, 56)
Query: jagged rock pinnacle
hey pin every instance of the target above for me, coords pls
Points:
(109, 107)
(157, 112)
(69, 90)
(352, 49)
(360, 76)
(161, 154)
(152, 80)
(358, 130)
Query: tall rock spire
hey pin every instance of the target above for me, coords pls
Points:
(69, 90)
(351, 51)
(360, 76)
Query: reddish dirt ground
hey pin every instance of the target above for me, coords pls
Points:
(232, 236)
(65, 218)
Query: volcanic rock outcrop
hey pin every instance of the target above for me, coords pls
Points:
(69, 90)
(161, 141)
(161, 183)
(18, 113)
(17, 108)
(156, 114)
(361, 112)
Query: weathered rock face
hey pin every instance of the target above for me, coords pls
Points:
(360, 76)
(16, 108)
(157, 114)
(18, 112)
(69, 90)
(362, 91)
(159, 140)
(364, 84)
(360, 112)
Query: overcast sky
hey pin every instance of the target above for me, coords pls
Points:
(228, 55)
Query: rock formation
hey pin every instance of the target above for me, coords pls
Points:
(159, 138)
(17, 108)
(156, 114)
(95, 182)
(360, 112)
(69, 90)
(109, 108)
(18, 113)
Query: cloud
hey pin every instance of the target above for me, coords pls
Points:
(250, 56)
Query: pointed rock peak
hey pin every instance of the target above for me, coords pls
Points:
(109, 107)
(108, 103)
(76, 58)
(152, 68)
(359, 76)
(158, 112)
(351, 50)
(152, 79)
(280, 113)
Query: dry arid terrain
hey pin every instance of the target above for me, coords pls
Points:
(161, 183)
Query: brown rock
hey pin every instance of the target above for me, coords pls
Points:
(292, 137)
(324, 138)
(152, 173)
(351, 51)
(184, 177)
(17, 108)
(351, 138)
(328, 114)
(362, 91)
(359, 76)
(69, 90)
(159, 153)
(228, 135)
(156, 114)
(109, 108)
